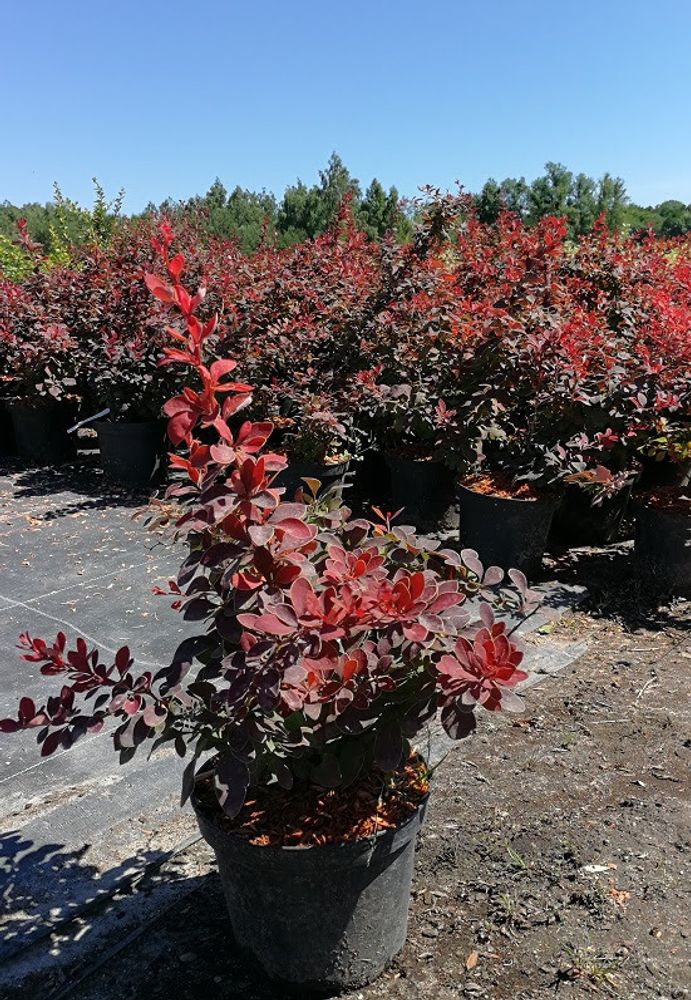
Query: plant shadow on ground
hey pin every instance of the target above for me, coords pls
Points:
(77, 486)
(63, 916)
(66, 923)
(613, 590)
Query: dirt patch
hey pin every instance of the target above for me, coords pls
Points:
(553, 861)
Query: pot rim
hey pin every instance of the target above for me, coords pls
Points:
(546, 499)
(327, 471)
(35, 403)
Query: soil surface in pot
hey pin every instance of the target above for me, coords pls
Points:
(278, 817)
(671, 499)
(500, 486)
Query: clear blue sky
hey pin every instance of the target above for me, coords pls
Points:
(163, 97)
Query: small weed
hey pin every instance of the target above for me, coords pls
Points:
(596, 971)
(506, 912)
(517, 861)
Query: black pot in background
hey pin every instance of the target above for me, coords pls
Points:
(662, 548)
(329, 917)
(664, 473)
(372, 483)
(577, 521)
(423, 488)
(329, 476)
(40, 431)
(511, 533)
(8, 445)
(132, 453)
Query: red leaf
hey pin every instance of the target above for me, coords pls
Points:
(122, 660)
(27, 710)
(231, 779)
(221, 368)
(269, 624)
(297, 529)
(175, 266)
(159, 288)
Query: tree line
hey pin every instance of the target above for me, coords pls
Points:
(305, 211)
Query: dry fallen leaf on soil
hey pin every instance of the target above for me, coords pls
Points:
(471, 960)
(620, 896)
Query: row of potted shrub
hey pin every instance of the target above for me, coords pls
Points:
(507, 528)
(131, 452)
(518, 362)
(82, 338)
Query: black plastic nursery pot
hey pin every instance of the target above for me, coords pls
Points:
(40, 432)
(321, 918)
(373, 478)
(329, 476)
(131, 453)
(656, 473)
(422, 487)
(506, 532)
(578, 521)
(8, 445)
(662, 547)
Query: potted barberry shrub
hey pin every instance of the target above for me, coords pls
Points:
(125, 379)
(592, 507)
(505, 520)
(327, 644)
(508, 491)
(45, 363)
(7, 443)
(40, 359)
(316, 442)
(407, 424)
(596, 495)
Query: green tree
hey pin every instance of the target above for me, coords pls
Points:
(300, 215)
(335, 184)
(306, 212)
(638, 218)
(60, 225)
(581, 209)
(612, 200)
(515, 195)
(488, 203)
(549, 193)
(240, 215)
(249, 213)
(379, 212)
(675, 218)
